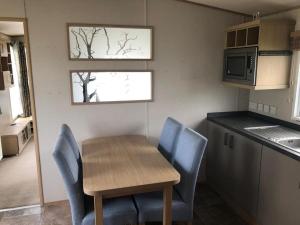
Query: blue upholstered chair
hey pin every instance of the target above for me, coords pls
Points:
(118, 211)
(169, 137)
(187, 160)
(67, 132)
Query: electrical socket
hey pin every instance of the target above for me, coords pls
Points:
(273, 110)
(266, 108)
(253, 105)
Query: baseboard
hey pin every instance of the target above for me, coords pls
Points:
(61, 202)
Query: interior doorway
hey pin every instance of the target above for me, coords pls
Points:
(20, 172)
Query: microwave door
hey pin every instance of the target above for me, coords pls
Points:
(236, 67)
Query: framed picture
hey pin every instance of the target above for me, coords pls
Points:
(109, 42)
(92, 87)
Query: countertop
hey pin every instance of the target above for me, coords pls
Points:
(240, 121)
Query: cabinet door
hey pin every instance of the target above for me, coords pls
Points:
(217, 157)
(3, 49)
(279, 198)
(244, 172)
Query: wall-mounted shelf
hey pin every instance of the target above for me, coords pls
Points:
(267, 34)
(6, 73)
(295, 40)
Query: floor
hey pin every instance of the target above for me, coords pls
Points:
(209, 209)
(18, 175)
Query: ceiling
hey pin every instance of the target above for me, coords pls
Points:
(250, 7)
(11, 28)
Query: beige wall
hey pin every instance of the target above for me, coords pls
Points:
(187, 70)
(281, 99)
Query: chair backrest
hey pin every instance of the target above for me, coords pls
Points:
(71, 171)
(67, 132)
(188, 156)
(169, 137)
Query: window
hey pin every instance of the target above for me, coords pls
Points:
(15, 97)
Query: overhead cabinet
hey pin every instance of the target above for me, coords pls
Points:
(271, 37)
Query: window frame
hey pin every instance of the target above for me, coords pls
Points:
(295, 86)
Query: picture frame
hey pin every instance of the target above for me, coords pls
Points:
(90, 42)
(118, 86)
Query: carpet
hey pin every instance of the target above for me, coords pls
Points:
(18, 179)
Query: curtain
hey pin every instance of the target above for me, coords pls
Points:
(24, 87)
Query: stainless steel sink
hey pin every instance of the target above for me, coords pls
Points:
(268, 132)
(293, 144)
(261, 127)
(278, 134)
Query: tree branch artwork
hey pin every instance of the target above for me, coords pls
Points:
(87, 36)
(110, 86)
(107, 41)
(85, 79)
(123, 43)
(103, 42)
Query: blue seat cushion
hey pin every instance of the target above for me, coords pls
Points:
(150, 207)
(116, 211)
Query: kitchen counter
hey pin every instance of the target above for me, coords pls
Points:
(243, 123)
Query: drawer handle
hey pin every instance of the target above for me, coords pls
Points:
(231, 141)
(226, 139)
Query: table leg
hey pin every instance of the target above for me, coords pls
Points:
(167, 219)
(98, 209)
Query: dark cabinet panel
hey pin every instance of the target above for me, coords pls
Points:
(245, 172)
(279, 189)
(233, 167)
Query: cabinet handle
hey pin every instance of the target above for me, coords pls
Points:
(225, 139)
(231, 141)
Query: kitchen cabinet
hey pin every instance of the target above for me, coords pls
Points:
(272, 39)
(279, 189)
(233, 167)
(245, 172)
(266, 34)
(217, 157)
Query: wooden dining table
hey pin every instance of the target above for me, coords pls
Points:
(126, 165)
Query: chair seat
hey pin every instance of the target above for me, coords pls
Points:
(150, 207)
(116, 211)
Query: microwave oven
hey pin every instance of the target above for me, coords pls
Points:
(240, 65)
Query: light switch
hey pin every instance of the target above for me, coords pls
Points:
(266, 108)
(260, 107)
(253, 105)
(273, 110)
